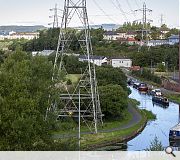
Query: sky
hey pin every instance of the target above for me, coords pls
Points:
(36, 12)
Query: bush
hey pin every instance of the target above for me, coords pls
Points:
(114, 101)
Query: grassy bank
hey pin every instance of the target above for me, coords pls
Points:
(107, 137)
(174, 97)
(91, 142)
(149, 115)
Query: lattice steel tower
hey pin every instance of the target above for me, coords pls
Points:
(83, 102)
(55, 16)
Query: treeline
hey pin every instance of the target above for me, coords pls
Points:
(24, 90)
(147, 75)
(142, 56)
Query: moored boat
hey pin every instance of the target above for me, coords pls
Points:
(143, 87)
(160, 100)
(136, 85)
(174, 133)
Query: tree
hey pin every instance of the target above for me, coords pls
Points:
(108, 75)
(155, 145)
(113, 101)
(24, 90)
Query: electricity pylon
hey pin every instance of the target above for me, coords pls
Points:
(144, 20)
(81, 102)
(55, 16)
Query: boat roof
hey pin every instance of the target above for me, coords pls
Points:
(176, 127)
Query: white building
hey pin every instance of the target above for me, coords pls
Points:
(43, 53)
(25, 35)
(111, 36)
(97, 60)
(157, 42)
(121, 62)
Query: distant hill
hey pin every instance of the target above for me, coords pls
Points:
(4, 30)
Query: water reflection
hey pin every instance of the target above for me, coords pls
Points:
(175, 144)
(167, 117)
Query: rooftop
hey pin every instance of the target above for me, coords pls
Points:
(176, 128)
(110, 33)
(92, 57)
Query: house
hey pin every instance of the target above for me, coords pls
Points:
(43, 53)
(173, 39)
(110, 36)
(97, 60)
(20, 35)
(135, 68)
(157, 42)
(131, 34)
(121, 62)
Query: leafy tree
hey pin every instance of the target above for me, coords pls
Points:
(160, 68)
(113, 101)
(24, 90)
(108, 75)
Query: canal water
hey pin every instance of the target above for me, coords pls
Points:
(166, 119)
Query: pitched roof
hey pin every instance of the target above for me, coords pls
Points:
(92, 57)
(46, 52)
(110, 33)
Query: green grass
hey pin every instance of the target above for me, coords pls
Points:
(174, 97)
(73, 77)
(73, 127)
(149, 115)
(90, 141)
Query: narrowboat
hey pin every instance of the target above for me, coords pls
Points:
(136, 85)
(156, 92)
(160, 100)
(174, 133)
(143, 87)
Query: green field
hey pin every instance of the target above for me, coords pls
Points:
(73, 77)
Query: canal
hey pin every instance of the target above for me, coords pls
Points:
(166, 119)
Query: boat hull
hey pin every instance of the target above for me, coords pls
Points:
(143, 89)
(160, 100)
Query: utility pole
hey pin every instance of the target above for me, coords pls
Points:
(81, 101)
(54, 16)
(161, 20)
(144, 20)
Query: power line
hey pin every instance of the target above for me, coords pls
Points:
(104, 12)
(119, 6)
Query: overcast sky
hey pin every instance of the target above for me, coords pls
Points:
(33, 12)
